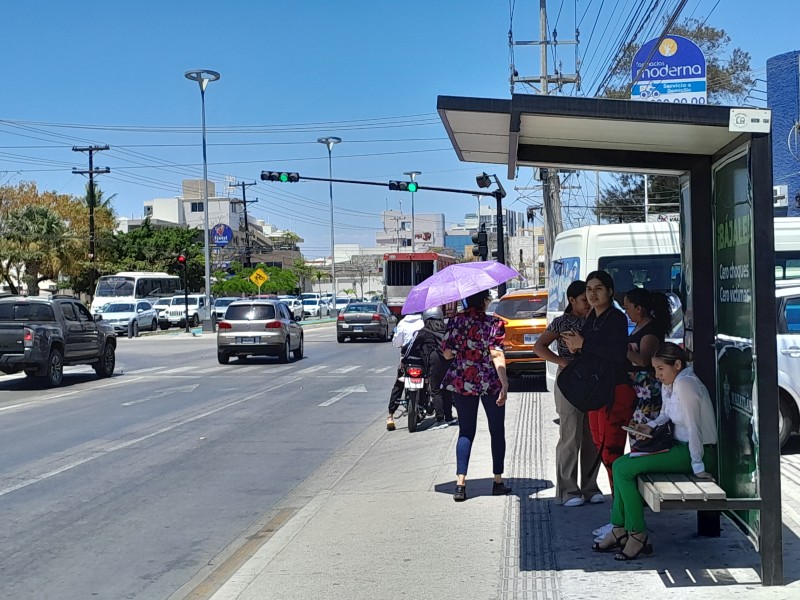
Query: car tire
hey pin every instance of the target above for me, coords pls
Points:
(195, 320)
(223, 357)
(340, 339)
(285, 355)
(785, 422)
(298, 354)
(108, 361)
(154, 325)
(164, 327)
(54, 373)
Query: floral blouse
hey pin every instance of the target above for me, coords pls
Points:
(470, 335)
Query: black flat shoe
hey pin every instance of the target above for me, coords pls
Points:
(500, 489)
(460, 494)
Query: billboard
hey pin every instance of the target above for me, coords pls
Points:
(221, 235)
(669, 70)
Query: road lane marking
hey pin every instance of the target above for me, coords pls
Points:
(312, 369)
(95, 453)
(380, 369)
(354, 389)
(210, 370)
(65, 394)
(186, 389)
(147, 370)
(178, 370)
(343, 370)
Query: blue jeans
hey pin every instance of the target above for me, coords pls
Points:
(467, 407)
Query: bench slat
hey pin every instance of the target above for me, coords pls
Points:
(687, 487)
(665, 487)
(711, 490)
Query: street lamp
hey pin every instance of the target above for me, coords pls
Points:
(413, 176)
(203, 77)
(330, 142)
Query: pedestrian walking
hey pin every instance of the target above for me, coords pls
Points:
(575, 446)
(404, 335)
(604, 337)
(477, 375)
(687, 405)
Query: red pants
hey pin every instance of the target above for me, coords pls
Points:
(606, 427)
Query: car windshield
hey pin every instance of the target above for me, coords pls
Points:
(250, 312)
(522, 308)
(179, 301)
(118, 308)
(362, 308)
(224, 301)
(163, 302)
(310, 302)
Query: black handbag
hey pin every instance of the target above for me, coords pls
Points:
(588, 383)
(663, 439)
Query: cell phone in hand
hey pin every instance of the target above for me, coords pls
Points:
(636, 431)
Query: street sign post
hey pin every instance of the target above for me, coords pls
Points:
(259, 277)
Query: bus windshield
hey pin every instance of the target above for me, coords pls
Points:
(112, 286)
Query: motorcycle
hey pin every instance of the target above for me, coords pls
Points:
(416, 396)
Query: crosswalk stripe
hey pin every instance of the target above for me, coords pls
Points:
(343, 370)
(210, 370)
(379, 369)
(178, 370)
(248, 369)
(312, 369)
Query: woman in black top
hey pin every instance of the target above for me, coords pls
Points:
(651, 314)
(605, 337)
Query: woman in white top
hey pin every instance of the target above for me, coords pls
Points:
(687, 404)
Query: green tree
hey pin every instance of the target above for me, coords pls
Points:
(729, 76)
(100, 201)
(303, 272)
(319, 276)
(35, 237)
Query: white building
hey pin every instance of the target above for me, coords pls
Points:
(513, 221)
(396, 235)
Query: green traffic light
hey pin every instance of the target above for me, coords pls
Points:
(284, 177)
(412, 186)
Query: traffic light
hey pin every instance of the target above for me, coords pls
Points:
(403, 186)
(181, 260)
(281, 176)
(481, 240)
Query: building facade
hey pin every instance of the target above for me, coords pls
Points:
(783, 97)
(396, 235)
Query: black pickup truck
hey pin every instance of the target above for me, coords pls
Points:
(41, 336)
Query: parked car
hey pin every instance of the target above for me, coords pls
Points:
(787, 300)
(259, 327)
(41, 335)
(314, 307)
(492, 307)
(140, 314)
(524, 313)
(342, 303)
(295, 305)
(221, 305)
(365, 320)
(162, 305)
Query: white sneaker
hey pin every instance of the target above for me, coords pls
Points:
(603, 531)
(597, 499)
(577, 501)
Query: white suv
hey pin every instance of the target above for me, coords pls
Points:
(787, 301)
(176, 313)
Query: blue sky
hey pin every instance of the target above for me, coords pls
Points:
(91, 72)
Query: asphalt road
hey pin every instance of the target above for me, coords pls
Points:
(127, 487)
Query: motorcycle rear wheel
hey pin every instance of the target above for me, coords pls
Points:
(413, 410)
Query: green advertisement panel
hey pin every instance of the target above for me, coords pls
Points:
(735, 311)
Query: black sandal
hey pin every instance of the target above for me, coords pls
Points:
(646, 549)
(619, 542)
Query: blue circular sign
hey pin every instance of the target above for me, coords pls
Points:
(221, 235)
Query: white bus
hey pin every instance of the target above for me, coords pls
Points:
(132, 286)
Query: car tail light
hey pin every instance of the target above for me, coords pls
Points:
(273, 325)
(28, 338)
(376, 317)
(340, 317)
(224, 325)
(414, 372)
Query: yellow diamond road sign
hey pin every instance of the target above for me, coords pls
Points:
(259, 277)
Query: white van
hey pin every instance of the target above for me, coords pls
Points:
(645, 255)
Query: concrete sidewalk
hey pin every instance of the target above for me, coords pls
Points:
(378, 521)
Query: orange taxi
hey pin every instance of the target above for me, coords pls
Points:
(524, 313)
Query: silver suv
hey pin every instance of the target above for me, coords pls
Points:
(259, 327)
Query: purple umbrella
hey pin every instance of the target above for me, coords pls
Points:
(456, 282)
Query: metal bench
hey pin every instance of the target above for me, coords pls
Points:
(673, 491)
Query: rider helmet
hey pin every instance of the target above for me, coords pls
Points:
(433, 313)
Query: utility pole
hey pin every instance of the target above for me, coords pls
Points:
(91, 172)
(247, 249)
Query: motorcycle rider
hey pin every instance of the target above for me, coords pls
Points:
(427, 345)
(404, 335)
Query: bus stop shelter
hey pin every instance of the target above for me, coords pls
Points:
(723, 157)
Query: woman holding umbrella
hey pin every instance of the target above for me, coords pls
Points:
(474, 340)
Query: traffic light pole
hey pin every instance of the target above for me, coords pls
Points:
(501, 243)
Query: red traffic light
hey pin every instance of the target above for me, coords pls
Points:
(182, 260)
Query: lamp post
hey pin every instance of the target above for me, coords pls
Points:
(413, 176)
(330, 142)
(203, 77)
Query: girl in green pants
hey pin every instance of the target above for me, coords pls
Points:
(687, 404)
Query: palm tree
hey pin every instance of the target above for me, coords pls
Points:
(36, 237)
(318, 275)
(99, 200)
